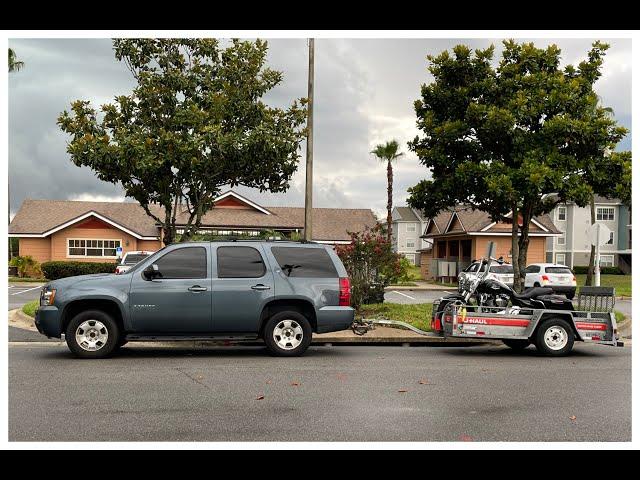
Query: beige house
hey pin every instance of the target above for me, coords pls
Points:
(92, 231)
(461, 235)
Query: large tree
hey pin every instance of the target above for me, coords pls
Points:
(502, 139)
(195, 122)
(14, 63)
(388, 153)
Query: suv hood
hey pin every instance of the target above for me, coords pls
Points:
(92, 278)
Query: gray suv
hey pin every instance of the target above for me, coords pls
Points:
(233, 290)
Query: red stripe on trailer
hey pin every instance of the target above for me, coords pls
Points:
(506, 322)
(591, 326)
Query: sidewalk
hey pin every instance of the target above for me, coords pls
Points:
(420, 285)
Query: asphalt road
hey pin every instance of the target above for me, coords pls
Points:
(332, 393)
(19, 294)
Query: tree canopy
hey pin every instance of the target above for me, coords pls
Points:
(503, 139)
(194, 122)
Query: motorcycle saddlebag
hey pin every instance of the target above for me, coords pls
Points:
(556, 302)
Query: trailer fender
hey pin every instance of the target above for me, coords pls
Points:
(565, 315)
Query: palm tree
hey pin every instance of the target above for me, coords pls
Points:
(388, 152)
(14, 64)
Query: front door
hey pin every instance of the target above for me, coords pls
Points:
(179, 300)
(243, 286)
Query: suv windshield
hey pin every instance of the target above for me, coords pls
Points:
(559, 270)
(133, 258)
(504, 269)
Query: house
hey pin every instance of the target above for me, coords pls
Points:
(461, 235)
(574, 247)
(91, 231)
(406, 230)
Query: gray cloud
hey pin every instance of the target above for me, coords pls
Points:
(364, 95)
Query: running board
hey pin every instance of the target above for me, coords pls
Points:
(190, 338)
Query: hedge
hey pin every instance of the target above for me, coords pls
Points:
(582, 270)
(63, 269)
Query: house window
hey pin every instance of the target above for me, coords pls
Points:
(610, 242)
(562, 240)
(607, 214)
(411, 243)
(411, 227)
(560, 258)
(92, 248)
(562, 213)
(606, 260)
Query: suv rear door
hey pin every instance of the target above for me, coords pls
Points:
(242, 285)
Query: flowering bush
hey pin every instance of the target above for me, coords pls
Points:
(371, 264)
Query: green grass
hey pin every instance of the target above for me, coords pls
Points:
(619, 316)
(414, 273)
(622, 283)
(26, 279)
(31, 307)
(418, 315)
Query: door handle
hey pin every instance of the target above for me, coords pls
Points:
(197, 288)
(260, 286)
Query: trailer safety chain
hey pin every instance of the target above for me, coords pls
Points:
(362, 326)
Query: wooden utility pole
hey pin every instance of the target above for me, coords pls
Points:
(308, 192)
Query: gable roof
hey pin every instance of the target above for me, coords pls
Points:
(406, 214)
(43, 217)
(478, 222)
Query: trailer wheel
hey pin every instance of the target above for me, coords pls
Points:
(516, 344)
(554, 337)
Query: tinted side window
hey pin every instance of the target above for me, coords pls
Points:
(305, 262)
(532, 269)
(240, 262)
(187, 262)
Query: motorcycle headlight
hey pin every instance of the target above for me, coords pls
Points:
(47, 296)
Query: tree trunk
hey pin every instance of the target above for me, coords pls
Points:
(515, 250)
(523, 242)
(592, 255)
(389, 198)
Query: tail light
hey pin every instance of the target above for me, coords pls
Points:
(344, 299)
(545, 279)
(574, 280)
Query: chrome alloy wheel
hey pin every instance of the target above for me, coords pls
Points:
(92, 335)
(288, 334)
(556, 337)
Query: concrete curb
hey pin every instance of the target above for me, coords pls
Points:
(19, 319)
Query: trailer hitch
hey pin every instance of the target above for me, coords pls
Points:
(362, 326)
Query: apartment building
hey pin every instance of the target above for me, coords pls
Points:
(407, 227)
(573, 247)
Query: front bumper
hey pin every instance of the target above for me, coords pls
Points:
(334, 319)
(48, 321)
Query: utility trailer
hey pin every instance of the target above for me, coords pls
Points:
(552, 331)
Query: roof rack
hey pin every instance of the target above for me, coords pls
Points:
(237, 239)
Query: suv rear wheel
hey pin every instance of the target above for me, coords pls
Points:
(92, 334)
(287, 334)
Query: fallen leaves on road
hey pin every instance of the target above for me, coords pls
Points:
(572, 418)
(341, 376)
(402, 390)
(260, 397)
(466, 438)
(295, 384)
(423, 381)
(268, 382)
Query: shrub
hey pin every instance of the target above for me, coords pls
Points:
(27, 266)
(371, 265)
(63, 269)
(582, 270)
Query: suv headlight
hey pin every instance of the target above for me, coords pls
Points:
(47, 296)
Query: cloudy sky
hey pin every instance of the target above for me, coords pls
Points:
(364, 95)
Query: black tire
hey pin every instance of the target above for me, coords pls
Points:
(517, 344)
(543, 345)
(108, 326)
(536, 284)
(571, 295)
(279, 321)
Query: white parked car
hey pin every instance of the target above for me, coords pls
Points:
(130, 259)
(502, 273)
(558, 277)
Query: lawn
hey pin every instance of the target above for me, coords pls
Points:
(418, 315)
(622, 283)
(31, 307)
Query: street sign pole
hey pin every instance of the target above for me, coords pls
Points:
(308, 193)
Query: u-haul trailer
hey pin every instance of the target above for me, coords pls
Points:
(551, 331)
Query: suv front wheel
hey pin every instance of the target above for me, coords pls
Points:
(287, 334)
(92, 334)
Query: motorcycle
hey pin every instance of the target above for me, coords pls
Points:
(489, 295)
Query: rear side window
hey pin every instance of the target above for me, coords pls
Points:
(132, 259)
(187, 262)
(305, 262)
(504, 269)
(240, 262)
(532, 269)
(559, 270)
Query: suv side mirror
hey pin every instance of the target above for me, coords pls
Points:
(151, 272)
